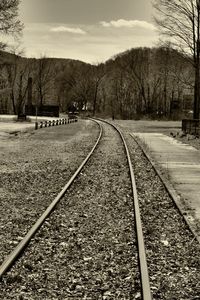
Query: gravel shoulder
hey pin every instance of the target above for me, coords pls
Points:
(34, 168)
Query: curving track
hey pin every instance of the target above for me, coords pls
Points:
(145, 286)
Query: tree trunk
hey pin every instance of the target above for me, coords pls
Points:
(13, 102)
(196, 93)
(95, 100)
(197, 64)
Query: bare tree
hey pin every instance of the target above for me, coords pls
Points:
(43, 77)
(180, 20)
(97, 74)
(73, 85)
(18, 71)
(9, 22)
(145, 81)
(136, 66)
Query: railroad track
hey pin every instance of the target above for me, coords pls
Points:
(145, 282)
(145, 285)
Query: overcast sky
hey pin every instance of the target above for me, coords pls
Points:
(88, 30)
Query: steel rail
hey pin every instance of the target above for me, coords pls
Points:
(144, 274)
(11, 258)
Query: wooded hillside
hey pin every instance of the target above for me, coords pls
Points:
(140, 82)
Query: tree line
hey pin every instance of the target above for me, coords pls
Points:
(141, 81)
(138, 82)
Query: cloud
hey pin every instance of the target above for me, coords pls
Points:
(128, 24)
(68, 29)
(98, 44)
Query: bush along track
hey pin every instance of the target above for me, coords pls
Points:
(86, 249)
(173, 254)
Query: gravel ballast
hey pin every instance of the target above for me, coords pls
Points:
(87, 247)
(34, 168)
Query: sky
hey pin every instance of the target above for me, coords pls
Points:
(88, 30)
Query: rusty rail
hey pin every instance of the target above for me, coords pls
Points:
(144, 274)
